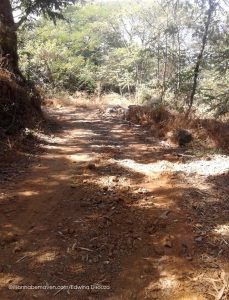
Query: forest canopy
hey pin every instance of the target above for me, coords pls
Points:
(154, 50)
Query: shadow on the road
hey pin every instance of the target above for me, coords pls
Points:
(65, 224)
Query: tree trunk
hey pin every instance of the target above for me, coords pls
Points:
(158, 64)
(164, 87)
(200, 55)
(8, 40)
(179, 62)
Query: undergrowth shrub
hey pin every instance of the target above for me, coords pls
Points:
(19, 105)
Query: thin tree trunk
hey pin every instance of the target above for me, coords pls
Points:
(200, 55)
(49, 74)
(8, 40)
(179, 62)
(99, 90)
(128, 87)
(165, 69)
(178, 48)
(158, 64)
(120, 90)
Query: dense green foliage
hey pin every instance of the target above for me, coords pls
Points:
(27, 9)
(145, 48)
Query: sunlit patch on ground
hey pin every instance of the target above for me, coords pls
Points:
(7, 279)
(218, 164)
(169, 284)
(84, 157)
(9, 231)
(146, 169)
(28, 193)
(77, 268)
(47, 256)
(222, 230)
(111, 181)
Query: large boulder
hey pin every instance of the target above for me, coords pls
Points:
(181, 137)
(184, 137)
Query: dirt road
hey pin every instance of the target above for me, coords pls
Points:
(89, 210)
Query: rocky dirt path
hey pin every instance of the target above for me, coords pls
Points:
(116, 215)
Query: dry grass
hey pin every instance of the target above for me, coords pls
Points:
(80, 99)
(213, 133)
(207, 133)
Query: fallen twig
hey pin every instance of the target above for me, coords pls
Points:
(221, 292)
(20, 259)
(59, 291)
(86, 249)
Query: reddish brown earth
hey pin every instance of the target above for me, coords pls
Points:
(73, 215)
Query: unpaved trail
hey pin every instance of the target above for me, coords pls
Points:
(86, 211)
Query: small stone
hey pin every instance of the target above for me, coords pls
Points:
(189, 258)
(151, 229)
(115, 179)
(73, 186)
(164, 215)
(10, 238)
(168, 243)
(71, 230)
(147, 269)
(95, 259)
(64, 231)
(91, 166)
(17, 249)
(199, 239)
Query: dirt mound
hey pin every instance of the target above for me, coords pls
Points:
(180, 136)
(215, 133)
(146, 115)
(207, 133)
(19, 106)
